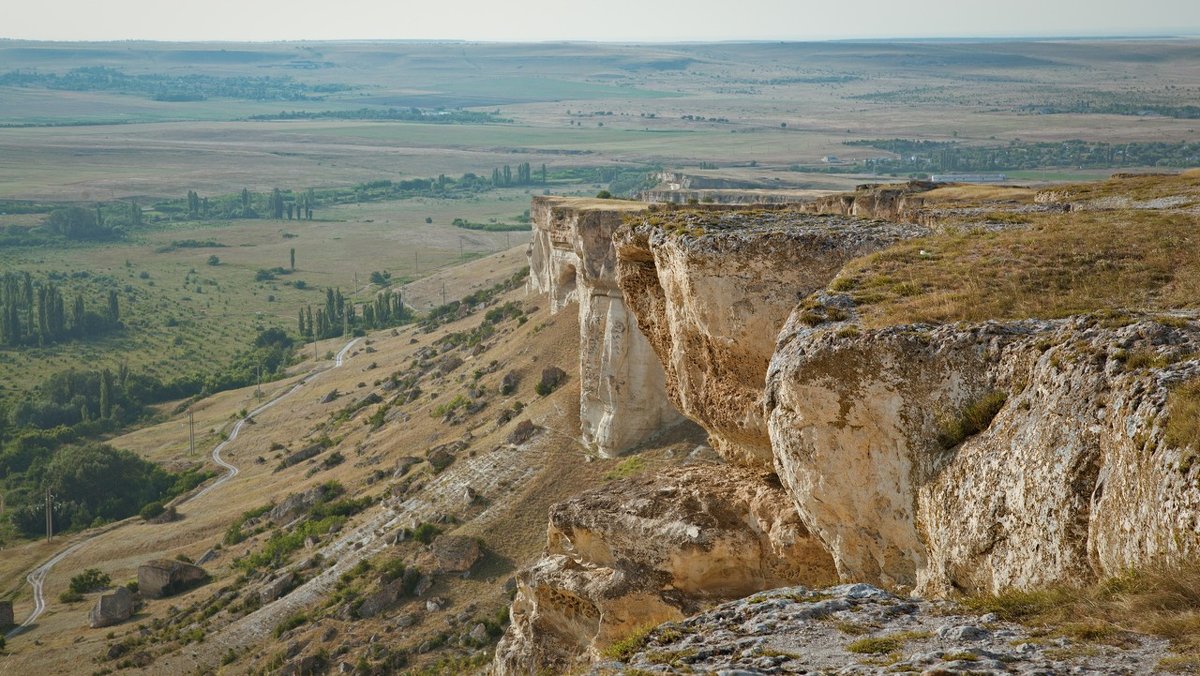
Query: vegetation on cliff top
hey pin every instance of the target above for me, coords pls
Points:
(1059, 265)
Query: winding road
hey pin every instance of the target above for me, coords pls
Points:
(37, 578)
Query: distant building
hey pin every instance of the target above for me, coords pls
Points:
(968, 178)
(831, 159)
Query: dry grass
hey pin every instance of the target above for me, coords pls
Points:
(1162, 601)
(1060, 265)
(1138, 187)
(979, 193)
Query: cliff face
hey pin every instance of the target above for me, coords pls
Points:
(644, 551)
(1071, 479)
(712, 296)
(622, 385)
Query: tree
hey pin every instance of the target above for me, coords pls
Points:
(214, 260)
(245, 203)
(106, 394)
(293, 257)
(114, 309)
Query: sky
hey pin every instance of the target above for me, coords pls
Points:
(607, 20)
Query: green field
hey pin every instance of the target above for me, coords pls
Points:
(185, 315)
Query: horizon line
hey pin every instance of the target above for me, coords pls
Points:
(878, 39)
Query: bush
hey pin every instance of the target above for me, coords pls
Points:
(89, 580)
(604, 195)
(425, 533)
(151, 510)
(70, 597)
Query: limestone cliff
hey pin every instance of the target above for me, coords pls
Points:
(1070, 481)
(932, 459)
(711, 289)
(622, 397)
(643, 551)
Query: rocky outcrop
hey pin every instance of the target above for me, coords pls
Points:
(622, 392)
(646, 550)
(893, 202)
(1071, 479)
(164, 577)
(711, 290)
(838, 630)
(111, 609)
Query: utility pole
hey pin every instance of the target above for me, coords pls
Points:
(191, 433)
(49, 515)
(258, 387)
(443, 293)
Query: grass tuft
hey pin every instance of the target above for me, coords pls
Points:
(623, 649)
(973, 419)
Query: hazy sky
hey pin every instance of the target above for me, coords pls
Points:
(616, 20)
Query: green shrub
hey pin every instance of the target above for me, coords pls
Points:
(151, 510)
(89, 580)
(425, 533)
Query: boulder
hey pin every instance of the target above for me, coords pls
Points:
(6, 614)
(110, 609)
(277, 587)
(301, 455)
(164, 577)
(552, 377)
(454, 553)
(385, 598)
(403, 465)
(296, 504)
(523, 432)
(440, 459)
(508, 384)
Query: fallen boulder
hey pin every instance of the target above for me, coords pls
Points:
(455, 553)
(110, 609)
(164, 577)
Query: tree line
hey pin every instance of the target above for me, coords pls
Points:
(339, 317)
(503, 176)
(35, 313)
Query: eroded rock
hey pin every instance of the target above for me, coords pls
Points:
(712, 289)
(572, 259)
(652, 549)
(1071, 480)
